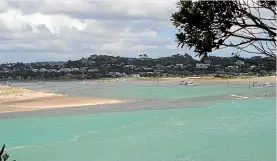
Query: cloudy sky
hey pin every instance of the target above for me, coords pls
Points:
(44, 30)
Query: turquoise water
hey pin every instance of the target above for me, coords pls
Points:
(147, 90)
(223, 130)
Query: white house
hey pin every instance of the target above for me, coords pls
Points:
(202, 65)
(43, 70)
(179, 66)
(129, 66)
(232, 67)
(91, 62)
(93, 70)
(147, 68)
(158, 71)
(65, 69)
(52, 70)
(135, 75)
(159, 66)
(252, 67)
(75, 69)
(239, 62)
(35, 70)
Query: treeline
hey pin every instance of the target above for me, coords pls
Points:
(99, 66)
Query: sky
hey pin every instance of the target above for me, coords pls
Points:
(58, 30)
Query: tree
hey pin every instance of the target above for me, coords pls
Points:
(3, 156)
(145, 56)
(262, 73)
(241, 24)
(251, 73)
(220, 73)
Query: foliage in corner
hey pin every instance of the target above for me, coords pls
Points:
(247, 25)
(4, 156)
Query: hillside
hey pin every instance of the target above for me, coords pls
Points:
(102, 66)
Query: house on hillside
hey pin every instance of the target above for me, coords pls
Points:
(170, 66)
(207, 61)
(93, 70)
(135, 75)
(252, 67)
(43, 70)
(75, 69)
(158, 71)
(52, 70)
(239, 62)
(129, 66)
(147, 69)
(65, 69)
(116, 74)
(202, 65)
(232, 67)
(35, 70)
(179, 66)
(159, 66)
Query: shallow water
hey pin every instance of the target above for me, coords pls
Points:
(166, 123)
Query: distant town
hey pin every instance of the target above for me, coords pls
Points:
(103, 66)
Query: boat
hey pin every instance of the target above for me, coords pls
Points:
(267, 84)
(188, 83)
(255, 83)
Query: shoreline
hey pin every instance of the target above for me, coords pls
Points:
(216, 79)
(14, 99)
(201, 78)
(270, 79)
(17, 99)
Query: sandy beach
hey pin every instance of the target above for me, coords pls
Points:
(21, 99)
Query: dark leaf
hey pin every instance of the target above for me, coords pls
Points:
(2, 150)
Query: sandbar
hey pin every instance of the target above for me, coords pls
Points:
(22, 99)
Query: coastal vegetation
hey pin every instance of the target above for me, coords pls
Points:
(4, 156)
(245, 25)
(103, 66)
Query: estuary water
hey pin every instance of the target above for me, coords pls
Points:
(159, 122)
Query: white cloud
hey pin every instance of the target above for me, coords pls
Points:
(69, 29)
(55, 23)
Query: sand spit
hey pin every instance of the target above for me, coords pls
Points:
(21, 99)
